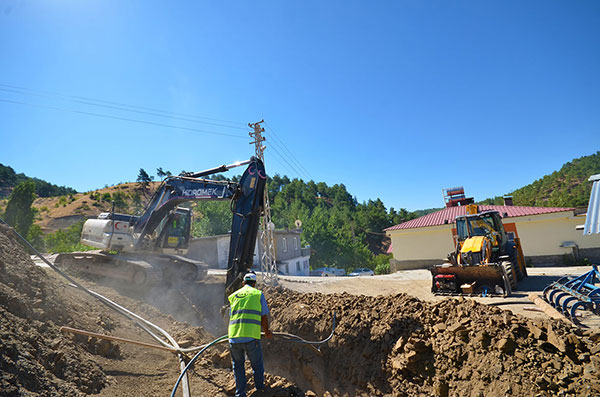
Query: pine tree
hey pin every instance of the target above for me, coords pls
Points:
(143, 181)
(19, 213)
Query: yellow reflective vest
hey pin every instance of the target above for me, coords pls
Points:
(244, 320)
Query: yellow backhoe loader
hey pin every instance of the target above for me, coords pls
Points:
(485, 262)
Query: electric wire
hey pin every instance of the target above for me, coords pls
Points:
(68, 97)
(276, 136)
(123, 118)
(283, 157)
(295, 171)
(293, 165)
(130, 110)
(281, 164)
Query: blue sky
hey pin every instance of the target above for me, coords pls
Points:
(394, 99)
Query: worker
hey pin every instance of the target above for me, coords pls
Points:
(248, 314)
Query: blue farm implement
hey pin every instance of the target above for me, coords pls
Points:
(570, 294)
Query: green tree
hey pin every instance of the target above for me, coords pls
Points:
(162, 174)
(66, 240)
(211, 218)
(382, 263)
(36, 237)
(19, 212)
(120, 201)
(143, 183)
(567, 187)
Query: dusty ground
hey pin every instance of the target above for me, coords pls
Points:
(418, 284)
(37, 359)
(385, 343)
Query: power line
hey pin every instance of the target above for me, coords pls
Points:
(152, 112)
(283, 157)
(285, 160)
(121, 104)
(276, 138)
(122, 118)
(119, 107)
(280, 163)
(291, 155)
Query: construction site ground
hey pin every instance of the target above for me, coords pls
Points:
(418, 284)
(391, 339)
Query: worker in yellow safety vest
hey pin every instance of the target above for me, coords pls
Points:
(248, 314)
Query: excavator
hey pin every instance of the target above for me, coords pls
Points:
(149, 249)
(485, 262)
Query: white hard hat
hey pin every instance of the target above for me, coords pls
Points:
(250, 277)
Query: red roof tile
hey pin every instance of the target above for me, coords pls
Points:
(448, 215)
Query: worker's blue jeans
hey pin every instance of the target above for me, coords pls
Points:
(254, 352)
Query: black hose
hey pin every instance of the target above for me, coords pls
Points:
(286, 336)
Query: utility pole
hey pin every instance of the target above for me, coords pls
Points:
(268, 263)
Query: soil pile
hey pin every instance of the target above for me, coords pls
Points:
(399, 345)
(386, 345)
(36, 359)
(34, 355)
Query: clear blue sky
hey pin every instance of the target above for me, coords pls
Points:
(394, 99)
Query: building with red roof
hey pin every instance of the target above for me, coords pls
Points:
(548, 235)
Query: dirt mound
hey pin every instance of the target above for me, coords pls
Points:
(37, 359)
(34, 355)
(386, 345)
(399, 345)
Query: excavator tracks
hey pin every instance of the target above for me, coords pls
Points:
(139, 271)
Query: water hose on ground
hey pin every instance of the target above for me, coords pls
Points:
(147, 325)
(143, 323)
(286, 336)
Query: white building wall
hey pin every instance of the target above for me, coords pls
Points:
(541, 235)
(425, 243)
(544, 234)
(223, 251)
(299, 266)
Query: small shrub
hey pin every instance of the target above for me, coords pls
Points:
(382, 264)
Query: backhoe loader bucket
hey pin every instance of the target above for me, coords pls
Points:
(570, 293)
(483, 279)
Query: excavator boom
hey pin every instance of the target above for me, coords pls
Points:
(151, 247)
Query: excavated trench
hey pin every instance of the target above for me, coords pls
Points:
(400, 345)
(385, 345)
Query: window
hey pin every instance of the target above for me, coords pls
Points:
(295, 243)
(287, 268)
(305, 265)
(510, 236)
(284, 244)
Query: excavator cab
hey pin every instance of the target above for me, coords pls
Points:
(175, 230)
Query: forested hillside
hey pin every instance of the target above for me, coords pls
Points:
(341, 231)
(567, 187)
(9, 179)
